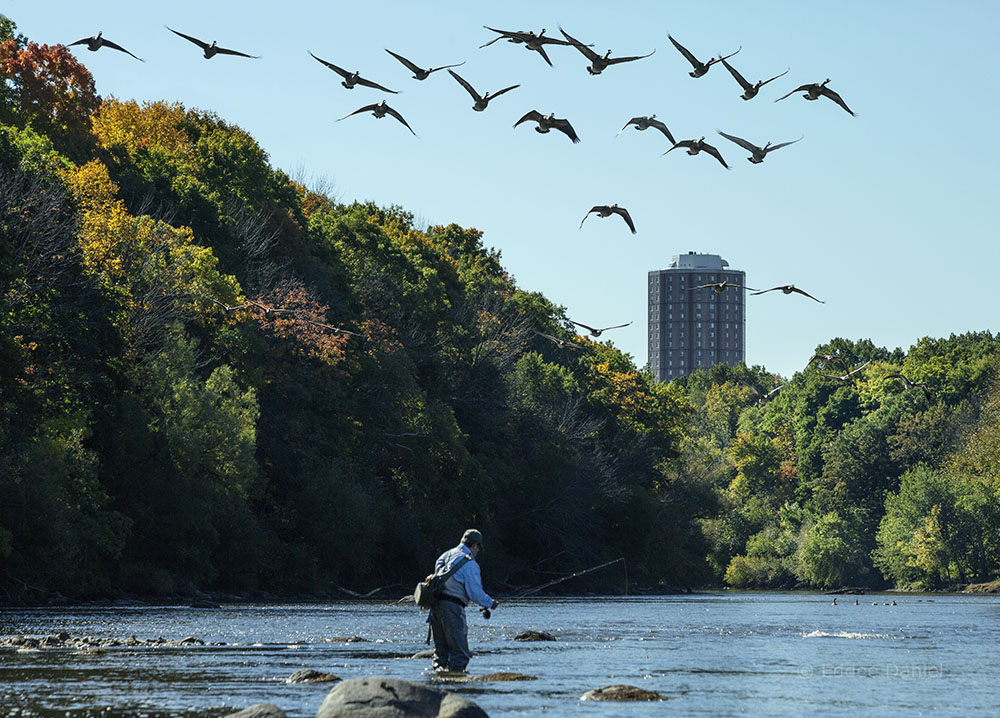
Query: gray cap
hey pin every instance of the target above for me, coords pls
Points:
(472, 536)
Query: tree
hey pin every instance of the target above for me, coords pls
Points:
(44, 87)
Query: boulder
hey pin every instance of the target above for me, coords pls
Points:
(394, 698)
(534, 636)
(622, 693)
(259, 710)
(309, 676)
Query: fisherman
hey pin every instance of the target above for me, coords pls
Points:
(447, 615)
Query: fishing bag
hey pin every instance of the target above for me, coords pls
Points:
(425, 595)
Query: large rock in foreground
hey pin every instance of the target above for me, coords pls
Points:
(622, 693)
(394, 698)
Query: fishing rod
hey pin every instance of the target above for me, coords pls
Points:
(536, 589)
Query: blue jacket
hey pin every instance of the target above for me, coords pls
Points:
(466, 584)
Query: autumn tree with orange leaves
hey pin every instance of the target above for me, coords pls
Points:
(44, 87)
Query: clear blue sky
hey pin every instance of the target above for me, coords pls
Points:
(890, 216)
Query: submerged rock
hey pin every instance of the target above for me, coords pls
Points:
(465, 678)
(307, 675)
(622, 693)
(394, 698)
(259, 710)
(534, 636)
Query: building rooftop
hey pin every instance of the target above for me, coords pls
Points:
(693, 260)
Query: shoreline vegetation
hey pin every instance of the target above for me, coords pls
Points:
(217, 380)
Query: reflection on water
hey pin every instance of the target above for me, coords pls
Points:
(714, 654)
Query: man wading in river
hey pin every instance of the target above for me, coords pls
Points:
(447, 615)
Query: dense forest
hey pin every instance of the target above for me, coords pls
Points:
(215, 378)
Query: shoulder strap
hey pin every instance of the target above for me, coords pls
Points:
(454, 567)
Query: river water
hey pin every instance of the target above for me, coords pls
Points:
(774, 654)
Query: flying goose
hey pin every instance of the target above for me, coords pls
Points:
(644, 123)
(749, 91)
(829, 358)
(763, 398)
(353, 78)
(597, 332)
(481, 101)
(788, 289)
(549, 122)
(599, 63)
(696, 146)
(849, 376)
(757, 154)
(380, 110)
(816, 90)
(98, 41)
(720, 287)
(910, 384)
(418, 72)
(700, 68)
(561, 343)
(603, 210)
(529, 39)
(212, 50)
(251, 304)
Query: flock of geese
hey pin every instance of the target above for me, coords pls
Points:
(544, 123)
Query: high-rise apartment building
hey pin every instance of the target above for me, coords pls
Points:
(689, 327)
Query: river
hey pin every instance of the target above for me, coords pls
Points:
(721, 654)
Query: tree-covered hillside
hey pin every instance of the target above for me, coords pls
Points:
(213, 377)
(216, 378)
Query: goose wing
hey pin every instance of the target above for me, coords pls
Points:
(339, 70)
(519, 36)
(415, 69)
(595, 208)
(710, 149)
(824, 90)
(616, 60)
(662, 128)
(227, 51)
(748, 146)
(566, 128)
(783, 144)
(374, 85)
(772, 289)
(616, 326)
(633, 121)
(772, 79)
(366, 108)
(807, 294)
(468, 88)
(800, 88)
(724, 57)
(200, 43)
(541, 51)
(445, 67)
(491, 95)
(584, 50)
(116, 46)
(737, 76)
(530, 116)
(589, 329)
(682, 143)
(399, 117)
(695, 62)
(82, 41)
(628, 220)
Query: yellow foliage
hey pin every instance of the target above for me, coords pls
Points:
(135, 126)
